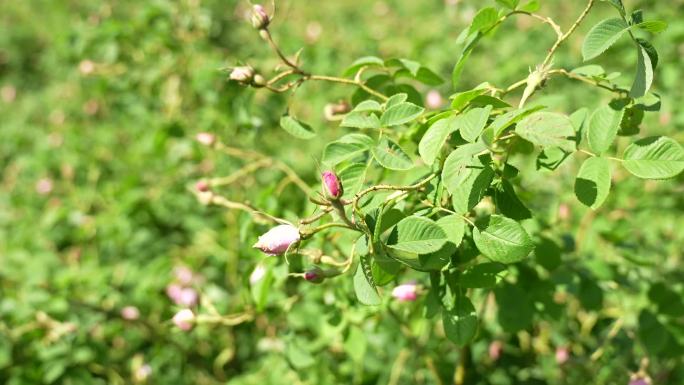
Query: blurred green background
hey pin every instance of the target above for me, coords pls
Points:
(100, 102)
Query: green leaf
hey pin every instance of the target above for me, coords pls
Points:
(593, 182)
(618, 5)
(504, 121)
(391, 156)
(461, 99)
(472, 184)
(347, 147)
(484, 19)
(657, 157)
(515, 308)
(433, 139)
(602, 36)
(418, 235)
(551, 158)
(410, 65)
(352, 178)
(454, 228)
(603, 128)
(400, 114)
(395, 99)
(510, 4)
(366, 61)
(531, 6)
(650, 50)
(547, 129)
(357, 119)
(296, 128)
(460, 321)
(454, 168)
(653, 26)
(644, 74)
(509, 204)
(473, 122)
(591, 70)
(482, 275)
(364, 286)
(503, 240)
(368, 106)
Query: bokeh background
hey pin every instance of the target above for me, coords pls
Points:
(100, 102)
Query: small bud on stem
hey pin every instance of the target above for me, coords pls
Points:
(332, 188)
(260, 19)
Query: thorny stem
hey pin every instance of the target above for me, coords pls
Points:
(222, 201)
(295, 69)
(565, 36)
(361, 194)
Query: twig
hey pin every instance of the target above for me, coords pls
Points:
(565, 36)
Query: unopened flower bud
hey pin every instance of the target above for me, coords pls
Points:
(184, 319)
(495, 350)
(130, 313)
(639, 380)
(173, 291)
(183, 274)
(405, 293)
(142, 373)
(314, 275)
(277, 240)
(260, 19)
(257, 275)
(258, 81)
(188, 297)
(202, 186)
(335, 111)
(332, 188)
(562, 355)
(242, 75)
(434, 100)
(206, 138)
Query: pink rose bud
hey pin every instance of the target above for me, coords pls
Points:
(260, 19)
(495, 349)
(562, 355)
(434, 100)
(639, 380)
(407, 292)
(44, 186)
(242, 75)
(314, 275)
(143, 372)
(331, 185)
(173, 291)
(130, 313)
(563, 212)
(278, 239)
(184, 319)
(206, 138)
(187, 297)
(257, 274)
(202, 186)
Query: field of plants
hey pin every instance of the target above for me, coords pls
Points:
(484, 192)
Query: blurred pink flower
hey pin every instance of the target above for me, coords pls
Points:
(562, 355)
(184, 319)
(563, 212)
(174, 290)
(434, 100)
(130, 313)
(183, 275)
(206, 138)
(188, 297)
(277, 240)
(495, 349)
(86, 67)
(143, 372)
(639, 380)
(44, 186)
(406, 293)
